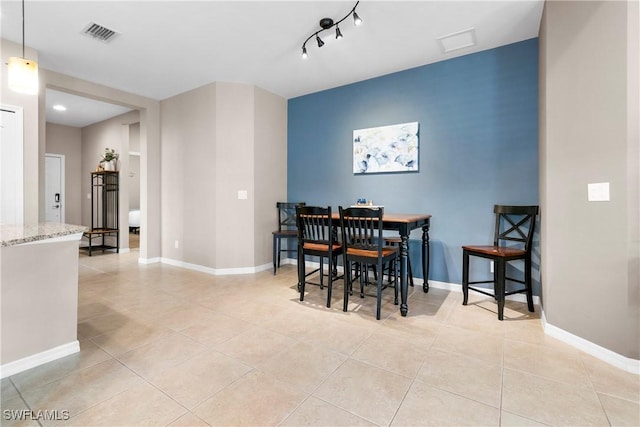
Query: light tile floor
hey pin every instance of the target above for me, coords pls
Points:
(161, 345)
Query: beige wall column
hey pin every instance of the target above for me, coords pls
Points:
(234, 172)
(588, 96)
(150, 187)
(188, 177)
(270, 169)
(219, 141)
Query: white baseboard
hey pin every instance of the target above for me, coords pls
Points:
(606, 355)
(216, 271)
(38, 359)
(149, 260)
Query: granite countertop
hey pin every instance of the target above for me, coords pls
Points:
(11, 235)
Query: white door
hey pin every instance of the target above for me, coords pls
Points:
(54, 188)
(11, 155)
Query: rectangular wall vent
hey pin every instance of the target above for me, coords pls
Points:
(99, 32)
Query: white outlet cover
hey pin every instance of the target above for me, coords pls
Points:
(598, 192)
(242, 194)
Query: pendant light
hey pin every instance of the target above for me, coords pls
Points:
(23, 73)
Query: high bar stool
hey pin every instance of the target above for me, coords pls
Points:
(395, 241)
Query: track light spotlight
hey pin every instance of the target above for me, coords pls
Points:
(327, 23)
(356, 18)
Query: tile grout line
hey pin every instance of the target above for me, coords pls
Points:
(321, 383)
(593, 388)
(23, 399)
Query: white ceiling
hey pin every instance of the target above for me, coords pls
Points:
(168, 47)
(80, 111)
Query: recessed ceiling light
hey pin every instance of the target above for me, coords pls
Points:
(59, 107)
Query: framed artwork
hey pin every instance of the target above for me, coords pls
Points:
(385, 149)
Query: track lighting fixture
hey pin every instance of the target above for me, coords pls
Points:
(327, 23)
(22, 72)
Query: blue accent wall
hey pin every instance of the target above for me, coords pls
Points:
(478, 117)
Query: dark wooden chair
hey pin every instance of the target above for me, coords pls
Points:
(287, 229)
(316, 238)
(513, 234)
(364, 245)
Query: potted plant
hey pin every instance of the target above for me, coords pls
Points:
(109, 159)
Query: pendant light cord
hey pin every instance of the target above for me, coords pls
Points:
(23, 29)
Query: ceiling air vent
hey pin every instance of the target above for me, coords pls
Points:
(99, 32)
(458, 40)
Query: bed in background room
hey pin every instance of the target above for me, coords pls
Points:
(134, 220)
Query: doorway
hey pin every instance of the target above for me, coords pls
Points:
(80, 129)
(54, 200)
(149, 119)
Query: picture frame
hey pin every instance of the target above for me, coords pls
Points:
(386, 149)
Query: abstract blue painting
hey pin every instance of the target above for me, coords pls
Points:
(384, 149)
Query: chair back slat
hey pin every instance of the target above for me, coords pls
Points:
(362, 229)
(515, 224)
(314, 225)
(287, 215)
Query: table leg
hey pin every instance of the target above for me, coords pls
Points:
(301, 270)
(404, 252)
(426, 254)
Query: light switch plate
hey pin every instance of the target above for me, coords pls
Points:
(598, 192)
(242, 194)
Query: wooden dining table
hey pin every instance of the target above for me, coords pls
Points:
(404, 224)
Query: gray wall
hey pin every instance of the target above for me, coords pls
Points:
(67, 140)
(588, 134)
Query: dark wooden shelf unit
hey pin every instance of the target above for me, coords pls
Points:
(105, 208)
